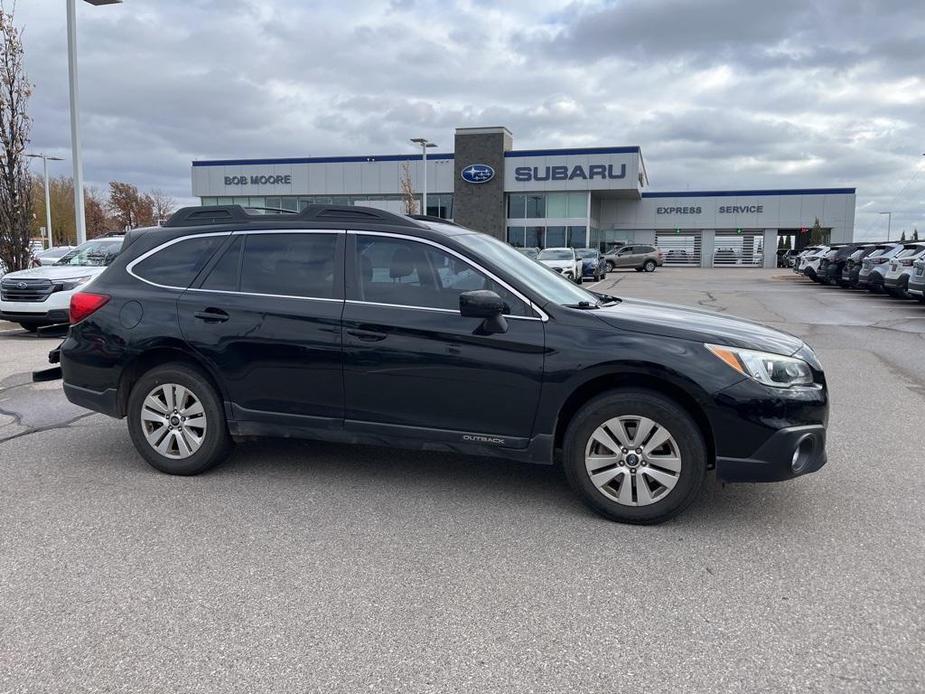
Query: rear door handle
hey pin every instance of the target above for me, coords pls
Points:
(367, 335)
(212, 315)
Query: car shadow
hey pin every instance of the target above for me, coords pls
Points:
(474, 480)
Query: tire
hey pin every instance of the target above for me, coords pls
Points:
(685, 442)
(579, 280)
(638, 269)
(30, 327)
(214, 442)
(610, 266)
(649, 266)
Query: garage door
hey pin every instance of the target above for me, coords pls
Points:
(680, 249)
(735, 249)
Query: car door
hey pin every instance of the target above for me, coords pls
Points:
(266, 315)
(413, 366)
(625, 256)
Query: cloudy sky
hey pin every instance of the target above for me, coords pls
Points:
(718, 93)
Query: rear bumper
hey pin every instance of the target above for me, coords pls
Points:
(900, 282)
(873, 279)
(106, 401)
(778, 459)
(916, 288)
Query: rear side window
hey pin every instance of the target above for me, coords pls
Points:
(289, 265)
(178, 264)
(224, 276)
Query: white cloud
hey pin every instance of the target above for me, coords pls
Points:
(718, 93)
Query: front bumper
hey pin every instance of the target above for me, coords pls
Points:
(789, 453)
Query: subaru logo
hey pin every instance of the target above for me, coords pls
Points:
(22, 285)
(478, 173)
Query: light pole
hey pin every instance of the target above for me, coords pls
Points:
(75, 115)
(424, 145)
(45, 159)
(889, 223)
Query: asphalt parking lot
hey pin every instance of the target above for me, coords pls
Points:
(302, 566)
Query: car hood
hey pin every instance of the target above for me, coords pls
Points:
(558, 263)
(55, 272)
(672, 320)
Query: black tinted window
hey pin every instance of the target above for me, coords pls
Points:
(224, 276)
(289, 264)
(178, 264)
(409, 273)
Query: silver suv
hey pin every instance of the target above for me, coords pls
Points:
(639, 257)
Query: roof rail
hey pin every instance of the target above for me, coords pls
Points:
(236, 214)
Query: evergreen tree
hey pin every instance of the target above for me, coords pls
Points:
(902, 236)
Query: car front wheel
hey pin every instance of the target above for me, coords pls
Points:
(635, 456)
(610, 266)
(176, 420)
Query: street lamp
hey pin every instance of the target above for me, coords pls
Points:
(889, 223)
(75, 116)
(45, 159)
(424, 145)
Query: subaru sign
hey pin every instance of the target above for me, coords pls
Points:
(478, 173)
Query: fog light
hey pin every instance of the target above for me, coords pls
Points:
(803, 453)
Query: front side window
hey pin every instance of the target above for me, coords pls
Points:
(178, 264)
(289, 264)
(403, 272)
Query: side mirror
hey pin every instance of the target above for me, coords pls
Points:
(486, 304)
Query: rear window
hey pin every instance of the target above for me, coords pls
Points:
(289, 265)
(178, 264)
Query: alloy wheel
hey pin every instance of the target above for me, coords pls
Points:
(173, 421)
(633, 460)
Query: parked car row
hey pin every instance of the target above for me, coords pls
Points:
(896, 268)
(578, 264)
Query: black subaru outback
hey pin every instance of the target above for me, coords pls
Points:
(360, 326)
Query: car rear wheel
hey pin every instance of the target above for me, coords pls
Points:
(635, 456)
(649, 266)
(31, 327)
(176, 420)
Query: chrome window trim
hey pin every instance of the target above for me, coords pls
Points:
(269, 296)
(237, 232)
(451, 311)
(130, 268)
(541, 315)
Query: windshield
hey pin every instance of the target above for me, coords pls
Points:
(587, 253)
(556, 254)
(549, 285)
(97, 253)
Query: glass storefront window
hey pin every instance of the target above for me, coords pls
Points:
(536, 206)
(515, 236)
(517, 206)
(290, 204)
(534, 237)
(577, 236)
(577, 205)
(557, 205)
(555, 237)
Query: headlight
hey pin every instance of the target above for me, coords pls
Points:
(70, 283)
(770, 369)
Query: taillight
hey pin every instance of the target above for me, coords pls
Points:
(85, 303)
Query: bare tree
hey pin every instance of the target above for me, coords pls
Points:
(15, 126)
(409, 202)
(164, 205)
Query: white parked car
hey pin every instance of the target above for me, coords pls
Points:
(50, 256)
(42, 296)
(896, 279)
(562, 260)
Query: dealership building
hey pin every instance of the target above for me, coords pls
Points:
(580, 197)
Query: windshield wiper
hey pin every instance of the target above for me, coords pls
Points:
(583, 305)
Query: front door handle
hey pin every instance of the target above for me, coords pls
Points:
(367, 335)
(211, 315)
